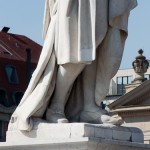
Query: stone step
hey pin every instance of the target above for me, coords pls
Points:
(50, 131)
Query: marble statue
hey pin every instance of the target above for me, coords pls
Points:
(84, 42)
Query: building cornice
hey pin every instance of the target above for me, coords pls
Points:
(133, 97)
(133, 111)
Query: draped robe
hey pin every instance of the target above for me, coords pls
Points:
(76, 31)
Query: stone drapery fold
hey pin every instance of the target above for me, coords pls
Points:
(76, 31)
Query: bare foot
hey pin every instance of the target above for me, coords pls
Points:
(99, 116)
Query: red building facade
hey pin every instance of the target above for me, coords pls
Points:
(18, 59)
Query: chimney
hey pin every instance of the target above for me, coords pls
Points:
(5, 29)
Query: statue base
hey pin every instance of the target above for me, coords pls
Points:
(51, 131)
(74, 136)
(84, 143)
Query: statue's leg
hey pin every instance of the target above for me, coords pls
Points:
(66, 76)
(91, 112)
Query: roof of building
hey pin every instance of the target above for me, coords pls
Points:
(135, 98)
(13, 46)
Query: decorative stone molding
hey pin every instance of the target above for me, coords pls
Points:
(134, 97)
(140, 66)
(7, 110)
(134, 113)
(138, 100)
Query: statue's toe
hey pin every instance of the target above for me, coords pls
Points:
(99, 117)
(111, 120)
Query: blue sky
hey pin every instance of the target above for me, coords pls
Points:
(26, 16)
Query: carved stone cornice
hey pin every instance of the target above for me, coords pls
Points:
(134, 97)
(133, 111)
(139, 99)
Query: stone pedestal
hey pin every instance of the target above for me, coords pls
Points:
(84, 143)
(51, 131)
(74, 136)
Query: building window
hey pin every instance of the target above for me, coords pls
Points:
(17, 96)
(3, 129)
(3, 98)
(11, 74)
(147, 76)
(121, 82)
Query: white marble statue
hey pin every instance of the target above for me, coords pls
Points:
(84, 42)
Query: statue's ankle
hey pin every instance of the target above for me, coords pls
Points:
(56, 116)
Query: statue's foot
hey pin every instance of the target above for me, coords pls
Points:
(56, 116)
(99, 116)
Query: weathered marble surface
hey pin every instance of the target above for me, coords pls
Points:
(84, 42)
(82, 143)
(45, 131)
(73, 136)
